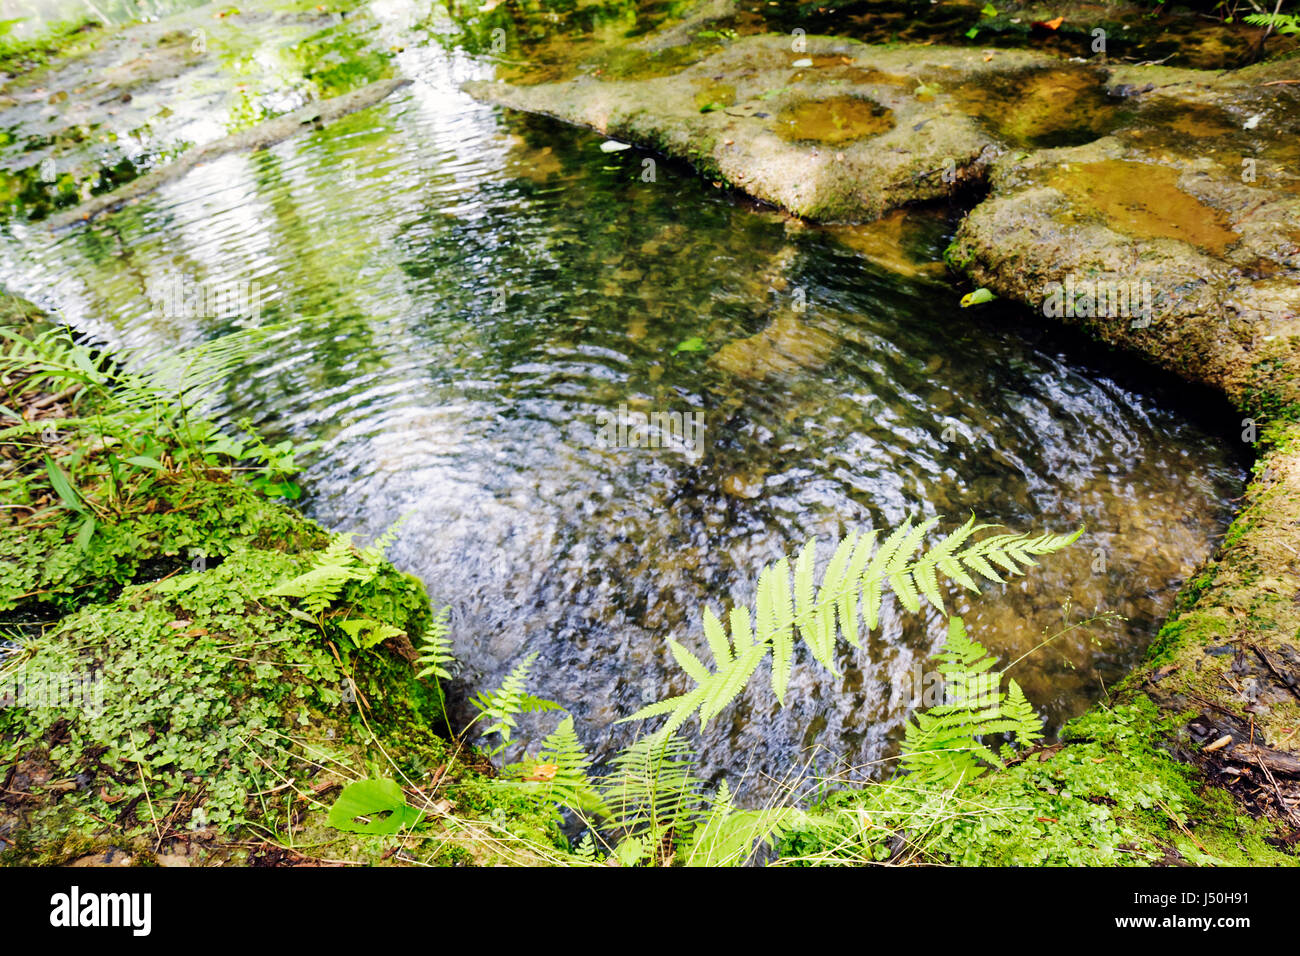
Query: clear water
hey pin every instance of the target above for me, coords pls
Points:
(464, 292)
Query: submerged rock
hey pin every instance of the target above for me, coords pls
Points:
(785, 345)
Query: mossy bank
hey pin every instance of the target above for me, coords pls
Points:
(163, 707)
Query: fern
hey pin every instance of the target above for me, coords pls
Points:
(142, 406)
(729, 837)
(366, 633)
(377, 549)
(41, 426)
(435, 657)
(559, 774)
(504, 704)
(184, 379)
(652, 793)
(324, 583)
(585, 851)
(944, 746)
(1284, 23)
(850, 593)
(51, 359)
(189, 378)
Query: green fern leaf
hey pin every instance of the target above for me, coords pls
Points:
(689, 663)
(728, 684)
(435, 657)
(716, 635)
(776, 623)
(852, 588)
(944, 746)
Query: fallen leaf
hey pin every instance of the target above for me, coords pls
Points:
(1049, 24)
(978, 297)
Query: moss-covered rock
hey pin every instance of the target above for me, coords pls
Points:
(160, 702)
(834, 130)
(1108, 794)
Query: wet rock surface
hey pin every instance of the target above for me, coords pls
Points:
(1196, 197)
(836, 130)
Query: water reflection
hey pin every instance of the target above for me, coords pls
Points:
(463, 293)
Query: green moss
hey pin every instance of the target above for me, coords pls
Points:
(185, 522)
(958, 255)
(204, 695)
(1110, 796)
(22, 54)
(158, 691)
(1270, 393)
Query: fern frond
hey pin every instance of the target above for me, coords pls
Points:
(42, 425)
(731, 837)
(50, 358)
(1028, 726)
(651, 790)
(689, 662)
(366, 633)
(435, 657)
(1283, 23)
(192, 377)
(560, 773)
(375, 552)
(503, 705)
(944, 745)
(325, 581)
(850, 593)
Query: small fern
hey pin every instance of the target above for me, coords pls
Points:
(183, 379)
(324, 583)
(653, 794)
(435, 658)
(1283, 23)
(730, 837)
(944, 746)
(585, 851)
(850, 593)
(503, 705)
(51, 359)
(560, 773)
(365, 633)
